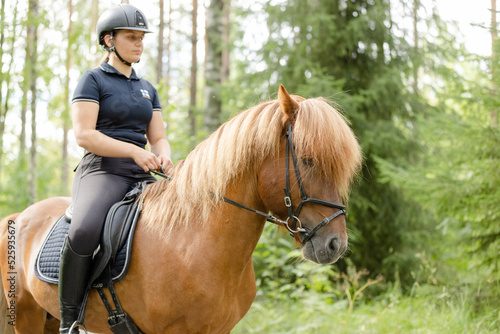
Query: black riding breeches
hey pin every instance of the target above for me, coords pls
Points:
(99, 183)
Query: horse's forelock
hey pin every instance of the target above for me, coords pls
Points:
(322, 133)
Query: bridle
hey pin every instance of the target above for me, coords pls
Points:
(293, 223)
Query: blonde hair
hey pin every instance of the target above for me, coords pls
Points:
(104, 58)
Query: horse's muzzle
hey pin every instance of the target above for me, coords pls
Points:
(325, 251)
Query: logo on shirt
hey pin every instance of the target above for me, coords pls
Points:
(145, 94)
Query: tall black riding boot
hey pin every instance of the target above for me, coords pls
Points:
(73, 277)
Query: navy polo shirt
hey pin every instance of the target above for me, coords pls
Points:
(126, 105)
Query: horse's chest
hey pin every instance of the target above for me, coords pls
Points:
(211, 308)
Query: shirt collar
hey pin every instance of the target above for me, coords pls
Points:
(106, 67)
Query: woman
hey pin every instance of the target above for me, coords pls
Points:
(115, 114)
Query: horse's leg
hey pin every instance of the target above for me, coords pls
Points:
(30, 317)
(25, 316)
(51, 325)
(5, 326)
(6, 319)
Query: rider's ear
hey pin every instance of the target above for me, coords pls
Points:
(288, 105)
(107, 40)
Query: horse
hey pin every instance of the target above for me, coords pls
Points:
(191, 267)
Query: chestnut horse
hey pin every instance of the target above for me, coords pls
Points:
(191, 268)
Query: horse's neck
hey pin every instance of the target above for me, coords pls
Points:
(231, 233)
(227, 239)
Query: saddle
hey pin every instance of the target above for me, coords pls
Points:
(111, 258)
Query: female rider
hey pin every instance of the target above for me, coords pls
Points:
(115, 114)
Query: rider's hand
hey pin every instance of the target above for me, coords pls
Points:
(146, 160)
(166, 164)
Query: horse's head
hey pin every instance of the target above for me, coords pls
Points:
(317, 160)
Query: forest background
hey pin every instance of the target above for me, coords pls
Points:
(424, 220)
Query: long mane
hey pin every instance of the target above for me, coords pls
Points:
(241, 145)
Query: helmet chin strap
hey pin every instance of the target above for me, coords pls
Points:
(113, 49)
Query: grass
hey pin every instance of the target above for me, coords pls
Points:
(430, 310)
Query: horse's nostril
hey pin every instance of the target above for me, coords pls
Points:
(334, 244)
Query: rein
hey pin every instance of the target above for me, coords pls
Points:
(269, 217)
(295, 225)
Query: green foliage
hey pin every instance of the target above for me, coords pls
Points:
(430, 309)
(460, 189)
(282, 274)
(13, 182)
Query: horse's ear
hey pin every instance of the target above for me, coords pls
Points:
(289, 106)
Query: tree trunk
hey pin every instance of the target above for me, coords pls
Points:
(494, 60)
(167, 50)
(25, 87)
(65, 116)
(226, 41)
(33, 163)
(93, 42)
(213, 104)
(2, 39)
(24, 102)
(4, 101)
(416, 5)
(2, 111)
(161, 44)
(194, 71)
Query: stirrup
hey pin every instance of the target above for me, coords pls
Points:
(76, 325)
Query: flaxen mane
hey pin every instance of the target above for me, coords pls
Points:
(320, 134)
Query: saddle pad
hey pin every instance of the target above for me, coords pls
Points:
(47, 262)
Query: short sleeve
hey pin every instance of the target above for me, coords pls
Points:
(156, 101)
(87, 89)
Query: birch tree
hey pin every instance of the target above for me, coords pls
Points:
(32, 60)
(92, 38)
(226, 40)
(66, 120)
(213, 104)
(161, 44)
(168, 51)
(494, 60)
(5, 77)
(194, 71)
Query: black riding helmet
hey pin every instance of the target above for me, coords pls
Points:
(122, 17)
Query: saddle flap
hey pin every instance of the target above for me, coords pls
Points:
(120, 222)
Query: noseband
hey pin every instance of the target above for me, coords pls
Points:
(293, 223)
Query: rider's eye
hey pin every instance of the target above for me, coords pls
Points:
(308, 162)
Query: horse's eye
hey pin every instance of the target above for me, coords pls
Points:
(308, 162)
